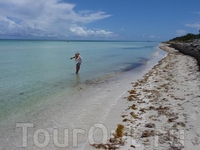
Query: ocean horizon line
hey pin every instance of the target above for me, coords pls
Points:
(65, 40)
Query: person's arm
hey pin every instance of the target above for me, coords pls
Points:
(72, 57)
(77, 58)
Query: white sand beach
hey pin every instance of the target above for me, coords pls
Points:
(161, 111)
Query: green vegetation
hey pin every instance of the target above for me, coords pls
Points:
(186, 38)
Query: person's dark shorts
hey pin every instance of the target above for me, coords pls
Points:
(78, 64)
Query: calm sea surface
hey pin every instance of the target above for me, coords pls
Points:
(38, 78)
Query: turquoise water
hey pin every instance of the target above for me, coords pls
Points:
(32, 71)
(38, 80)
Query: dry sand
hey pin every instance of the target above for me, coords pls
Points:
(161, 111)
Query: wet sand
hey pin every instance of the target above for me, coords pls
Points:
(161, 111)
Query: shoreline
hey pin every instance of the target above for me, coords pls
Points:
(148, 108)
(88, 105)
(161, 108)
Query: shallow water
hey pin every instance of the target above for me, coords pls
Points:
(38, 83)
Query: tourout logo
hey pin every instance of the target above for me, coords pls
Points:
(106, 134)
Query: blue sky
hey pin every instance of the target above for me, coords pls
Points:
(135, 20)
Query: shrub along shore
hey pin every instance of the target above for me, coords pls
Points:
(188, 44)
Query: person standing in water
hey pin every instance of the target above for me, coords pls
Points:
(78, 59)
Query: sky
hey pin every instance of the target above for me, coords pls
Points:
(133, 20)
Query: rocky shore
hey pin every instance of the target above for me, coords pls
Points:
(192, 48)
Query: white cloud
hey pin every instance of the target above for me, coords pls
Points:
(152, 36)
(196, 12)
(180, 32)
(87, 17)
(79, 31)
(43, 18)
(194, 25)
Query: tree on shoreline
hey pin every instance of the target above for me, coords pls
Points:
(186, 38)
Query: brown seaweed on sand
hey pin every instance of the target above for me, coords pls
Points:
(131, 97)
(133, 107)
(119, 132)
(126, 120)
(135, 84)
(134, 115)
(132, 92)
(148, 133)
(105, 146)
(115, 142)
(123, 116)
(142, 110)
(150, 125)
(172, 119)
